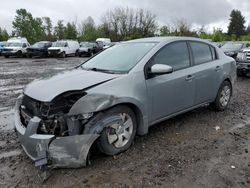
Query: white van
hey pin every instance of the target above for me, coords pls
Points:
(105, 41)
(16, 46)
(64, 48)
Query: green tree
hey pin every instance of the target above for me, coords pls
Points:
(22, 24)
(165, 31)
(26, 26)
(59, 30)
(237, 24)
(3, 34)
(248, 29)
(88, 30)
(70, 31)
(38, 30)
(48, 27)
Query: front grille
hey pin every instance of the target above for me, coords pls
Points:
(7, 49)
(54, 51)
(248, 56)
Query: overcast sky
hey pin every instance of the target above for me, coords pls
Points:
(212, 13)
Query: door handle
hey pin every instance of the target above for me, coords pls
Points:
(189, 78)
(218, 68)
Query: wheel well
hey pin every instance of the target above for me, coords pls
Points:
(228, 80)
(138, 115)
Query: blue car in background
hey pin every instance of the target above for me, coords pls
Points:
(2, 45)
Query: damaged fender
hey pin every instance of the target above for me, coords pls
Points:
(51, 151)
(92, 103)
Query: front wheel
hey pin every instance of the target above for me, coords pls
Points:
(119, 130)
(223, 96)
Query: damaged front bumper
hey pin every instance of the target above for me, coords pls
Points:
(49, 150)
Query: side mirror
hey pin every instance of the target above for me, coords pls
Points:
(159, 69)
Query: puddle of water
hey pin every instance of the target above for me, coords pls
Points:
(10, 153)
(7, 120)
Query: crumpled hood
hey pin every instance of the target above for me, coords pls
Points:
(46, 89)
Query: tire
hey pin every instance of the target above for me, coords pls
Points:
(63, 55)
(112, 140)
(76, 54)
(6, 56)
(19, 54)
(223, 97)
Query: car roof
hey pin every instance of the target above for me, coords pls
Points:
(166, 39)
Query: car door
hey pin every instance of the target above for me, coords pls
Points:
(207, 71)
(171, 93)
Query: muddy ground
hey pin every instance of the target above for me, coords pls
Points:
(201, 148)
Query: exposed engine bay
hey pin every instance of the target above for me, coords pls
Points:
(53, 115)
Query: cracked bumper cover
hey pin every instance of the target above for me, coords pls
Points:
(64, 152)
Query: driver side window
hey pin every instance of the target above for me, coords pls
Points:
(175, 55)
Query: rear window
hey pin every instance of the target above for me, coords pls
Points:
(201, 52)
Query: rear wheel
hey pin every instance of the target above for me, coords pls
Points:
(6, 56)
(223, 96)
(119, 130)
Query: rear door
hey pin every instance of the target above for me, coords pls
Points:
(207, 71)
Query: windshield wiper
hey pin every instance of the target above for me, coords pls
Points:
(102, 70)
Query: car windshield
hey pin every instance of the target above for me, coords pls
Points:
(2, 43)
(39, 44)
(232, 46)
(120, 58)
(14, 44)
(87, 44)
(58, 44)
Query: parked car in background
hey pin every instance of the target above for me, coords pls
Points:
(16, 46)
(117, 94)
(232, 48)
(64, 48)
(105, 41)
(243, 62)
(110, 45)
(39, 49)
(2, 45)
(88, 49)
(219, 44)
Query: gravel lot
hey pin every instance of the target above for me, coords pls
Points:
(201, 148)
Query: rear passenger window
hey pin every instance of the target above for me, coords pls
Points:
(175, 55)
(201, 52)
